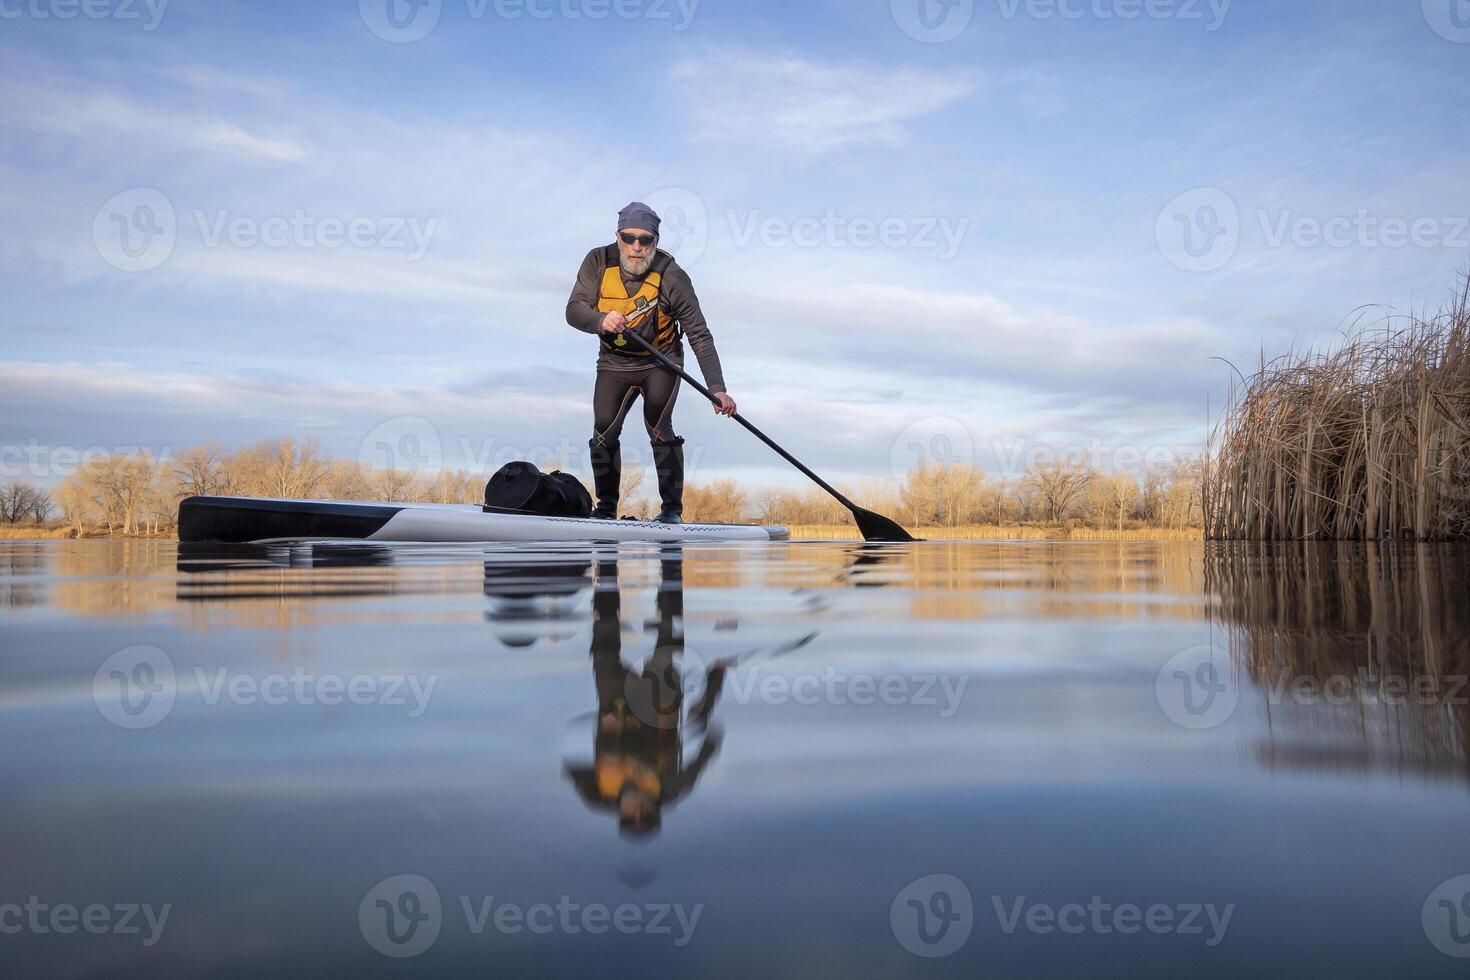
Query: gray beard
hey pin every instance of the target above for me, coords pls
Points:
(636, 267)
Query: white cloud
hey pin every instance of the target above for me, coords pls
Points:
(790, 102)
(208, 79)
(917, 333)
(96, 115)
(228, 136)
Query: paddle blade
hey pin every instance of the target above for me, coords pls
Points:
(876, 527)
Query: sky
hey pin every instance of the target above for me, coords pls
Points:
(974, 231)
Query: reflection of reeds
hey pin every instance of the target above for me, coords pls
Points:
(1002, 532)
(1306, 616)
(1370, 441)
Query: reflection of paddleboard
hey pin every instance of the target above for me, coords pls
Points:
(259, 519)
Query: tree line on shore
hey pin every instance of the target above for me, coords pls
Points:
(133, 494)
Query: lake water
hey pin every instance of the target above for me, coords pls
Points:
(804, 759)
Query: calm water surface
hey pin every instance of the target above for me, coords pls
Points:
(971, 759)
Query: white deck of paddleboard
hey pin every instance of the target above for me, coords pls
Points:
(447, 522)
(441, 523)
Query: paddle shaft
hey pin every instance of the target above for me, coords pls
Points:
(668, 363)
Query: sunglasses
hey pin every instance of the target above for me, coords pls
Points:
(644, 240)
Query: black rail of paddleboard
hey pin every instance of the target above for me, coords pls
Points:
(238, 520)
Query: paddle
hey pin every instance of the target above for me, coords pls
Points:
(874, 527)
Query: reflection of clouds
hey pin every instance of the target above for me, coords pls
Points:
(1061, 642)
(1058, 736)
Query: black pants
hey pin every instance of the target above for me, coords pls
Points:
(614, 394)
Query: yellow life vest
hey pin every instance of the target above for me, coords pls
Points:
(615, 772)
(654, 324)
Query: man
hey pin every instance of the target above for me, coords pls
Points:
(632, 285)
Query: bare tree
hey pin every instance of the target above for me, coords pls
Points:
(73, 500)
(720, 502)
(945, 496)
(392, 484)
(279, 468)
(1114, 499)
(347, 481)
(631, 480)
(200, 471)
(997, 501)
(456, 487)
(41, 506)
(775, 506)
(1183, 497)
(1058, 485)
(17, 501)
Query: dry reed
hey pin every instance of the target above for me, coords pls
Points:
(1366, 442)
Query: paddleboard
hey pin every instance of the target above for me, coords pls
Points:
(257, 520)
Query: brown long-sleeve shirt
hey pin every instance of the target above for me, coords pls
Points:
(682, 305)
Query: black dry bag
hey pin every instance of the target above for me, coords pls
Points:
(521, 488)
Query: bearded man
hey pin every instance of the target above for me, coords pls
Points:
(632, 285)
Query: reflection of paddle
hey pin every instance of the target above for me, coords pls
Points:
(874, 527)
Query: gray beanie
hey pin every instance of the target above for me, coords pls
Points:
(638, 215)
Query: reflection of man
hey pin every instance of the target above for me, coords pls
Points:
(638, 766)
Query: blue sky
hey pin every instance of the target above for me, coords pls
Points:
(1037, 232)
